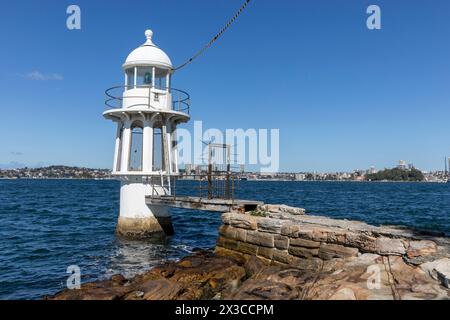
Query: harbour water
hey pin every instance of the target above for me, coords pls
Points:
(48, 225)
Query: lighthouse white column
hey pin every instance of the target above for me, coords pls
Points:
(147, 147)
(117, 155)
(169, 146)
(174, 149)
(126, 141)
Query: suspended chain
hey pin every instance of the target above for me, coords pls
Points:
(217, 36)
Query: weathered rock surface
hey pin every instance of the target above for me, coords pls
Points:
(200, 276)
(284, 254)
(208, 276)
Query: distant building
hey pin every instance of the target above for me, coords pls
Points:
(448, 164)
(300, 176)
(402, 164)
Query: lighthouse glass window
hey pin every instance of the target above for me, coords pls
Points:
(160, 79)
(144, 76)
(136, 149)
(130, 78)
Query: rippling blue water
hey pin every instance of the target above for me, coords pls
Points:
(47, 225)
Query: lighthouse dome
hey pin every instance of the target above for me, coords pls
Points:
(148, 54)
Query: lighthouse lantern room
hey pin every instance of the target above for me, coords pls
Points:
(147, 111)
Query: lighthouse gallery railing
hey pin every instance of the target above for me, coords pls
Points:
(114, 97)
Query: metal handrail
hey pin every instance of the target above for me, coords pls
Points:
(181, 100)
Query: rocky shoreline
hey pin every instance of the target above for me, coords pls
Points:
(278, 252)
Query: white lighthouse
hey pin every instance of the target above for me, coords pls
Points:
(146, 110)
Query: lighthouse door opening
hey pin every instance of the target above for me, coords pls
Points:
(135, 163)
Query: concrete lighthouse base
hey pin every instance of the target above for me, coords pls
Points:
(137, 220)
(144, 228)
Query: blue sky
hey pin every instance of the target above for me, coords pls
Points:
(343, 97)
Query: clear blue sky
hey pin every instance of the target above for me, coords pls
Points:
(342, 96)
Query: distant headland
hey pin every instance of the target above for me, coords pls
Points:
(55, 172)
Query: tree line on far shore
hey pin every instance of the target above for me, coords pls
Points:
(397, 174)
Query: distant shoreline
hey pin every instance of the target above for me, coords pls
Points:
(252, 180)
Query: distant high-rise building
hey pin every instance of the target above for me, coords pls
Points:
(448, 164)
(402, 164)
(242, 168)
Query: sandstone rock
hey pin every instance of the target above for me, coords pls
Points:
(241, 234)
(443, 274)
(228, 243)
(291, 210)
(365, 259)
(420, 248)
(311, 264)
(344, 294)
(330, 251)
(303, 252)
(282, 256)
(248, 248)
(388, 246)
(265, 252)
(237, 220)
(281, 242)
(318, 234)
(261, 239)
(276, 208)
(228, 231)
(269, 225)
(236, 256)
(304, 243)
(161, 289)
(275, 282)
(254, 265)
(438, 270)
(362, 241)
(290, 230)
(204, 275)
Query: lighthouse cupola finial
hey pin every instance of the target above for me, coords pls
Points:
(149, 36)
